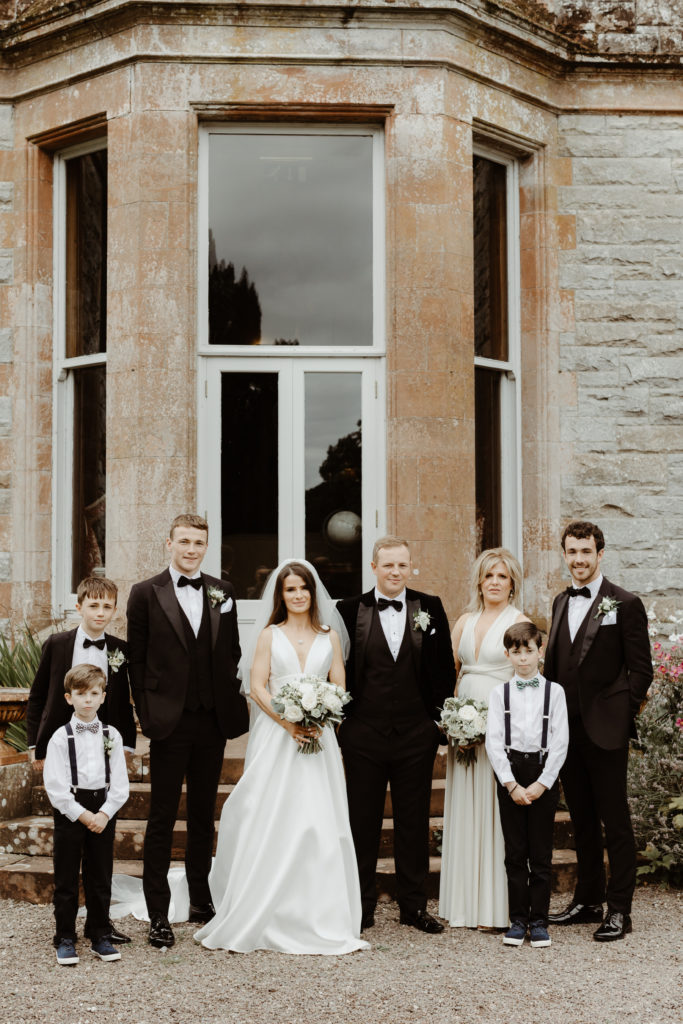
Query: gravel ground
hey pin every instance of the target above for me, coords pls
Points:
(460, 977)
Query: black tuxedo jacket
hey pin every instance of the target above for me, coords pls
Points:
(615, 666)
(431, 648)
(160, 662)
(47, 709)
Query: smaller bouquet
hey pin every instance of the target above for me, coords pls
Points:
(464, 722)
(310, 701)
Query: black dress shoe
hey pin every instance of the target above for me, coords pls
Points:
(202, 913)
(421, 920)
(367, 921)
(117, 937)
(615, 926)
(160, 932)
(578, 913)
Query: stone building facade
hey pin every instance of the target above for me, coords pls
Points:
(527, 150)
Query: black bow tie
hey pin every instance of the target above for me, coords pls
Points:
(383, 602)
(99, 644)
(579, 591)
(185, 581)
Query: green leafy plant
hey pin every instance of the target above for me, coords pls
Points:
(19, 659)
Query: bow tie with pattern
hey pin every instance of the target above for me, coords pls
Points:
(88, 726)
(185, 581)
(579, 591)
(99, 644)
(383, 602)
(521, 683)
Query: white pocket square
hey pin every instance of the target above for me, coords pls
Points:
(226, 606)
(432, 632)
(610, 619)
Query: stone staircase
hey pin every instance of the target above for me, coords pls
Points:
(26, 842)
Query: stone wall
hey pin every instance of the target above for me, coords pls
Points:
(622, 426)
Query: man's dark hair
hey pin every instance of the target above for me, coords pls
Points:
(582, 531)
(521, 634)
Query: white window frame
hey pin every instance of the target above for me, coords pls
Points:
(509, 369)
(63, 599)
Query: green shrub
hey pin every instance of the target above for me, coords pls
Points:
(19, 658)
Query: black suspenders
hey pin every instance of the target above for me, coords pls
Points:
(72, 757)
(546, 718)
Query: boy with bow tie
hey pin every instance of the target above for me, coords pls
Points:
(86, 780)
(526, 742)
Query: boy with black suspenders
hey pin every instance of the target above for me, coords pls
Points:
(526, 742)
(86, 780)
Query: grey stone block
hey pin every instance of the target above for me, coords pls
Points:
(5, 416)
(6, 126)
(5, 567)
(6, 345)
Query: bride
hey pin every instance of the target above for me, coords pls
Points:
(284, 876)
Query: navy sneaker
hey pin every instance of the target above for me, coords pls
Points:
(516, 934)
(104, 949)
(66, 953)
(538, 933)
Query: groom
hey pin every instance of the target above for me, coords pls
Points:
(599, 650)
(184, 650)
(399, 671)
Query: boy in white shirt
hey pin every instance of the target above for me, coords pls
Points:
(526, 742)
(86, 780)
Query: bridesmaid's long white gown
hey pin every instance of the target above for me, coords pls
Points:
(473, 889)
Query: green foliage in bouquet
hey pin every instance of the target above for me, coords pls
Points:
(656, 769)
(19, 658)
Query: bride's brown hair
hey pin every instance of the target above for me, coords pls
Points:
(279, 613)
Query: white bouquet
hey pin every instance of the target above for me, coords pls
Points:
(464, 722)
(310, 701)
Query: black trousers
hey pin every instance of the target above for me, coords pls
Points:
(594, 784)
(193, 753)
(528, 835)
(405, 760)
(77, 850)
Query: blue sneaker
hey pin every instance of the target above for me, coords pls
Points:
(515, 934)
(104, 949)
(66, 953)
(538, 933)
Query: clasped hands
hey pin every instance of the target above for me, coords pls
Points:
(525, 796)
(95, 822)
(303, 734)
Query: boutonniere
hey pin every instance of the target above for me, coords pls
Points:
(607, 605)
(216, 596)
(116, 659)
(421, 620)
(108, 744)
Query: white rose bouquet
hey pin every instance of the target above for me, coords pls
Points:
(310, 701)
(464, 722)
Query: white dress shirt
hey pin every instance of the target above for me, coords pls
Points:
(89, 655)
(577, 608)
(393, 622)
(526, 728)
(90, 763)
(189, 599)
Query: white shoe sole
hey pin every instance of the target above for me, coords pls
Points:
(541, 942)
(107, 957)
(512, 942)
(68, 961)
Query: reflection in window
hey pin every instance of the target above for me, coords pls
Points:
(290, 239)
(89, 472)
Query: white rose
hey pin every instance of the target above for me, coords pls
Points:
(468, 713)
(479, 724)
(309, 698)
(333, 703)
(293, 713)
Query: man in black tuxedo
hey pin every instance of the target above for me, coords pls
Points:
(184, 650)
(599, 651)
(399, 671)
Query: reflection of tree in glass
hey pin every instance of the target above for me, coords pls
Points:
(234, 307)
(343, 459)
(341, 487)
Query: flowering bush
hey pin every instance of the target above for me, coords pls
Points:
(656, 765)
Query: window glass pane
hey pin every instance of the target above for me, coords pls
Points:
(487, 457)
(89, 473)
(290, 240)
(249, 480)
(86, 254)
(490, 260)
(333, 479)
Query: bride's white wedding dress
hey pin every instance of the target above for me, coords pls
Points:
(284, 876)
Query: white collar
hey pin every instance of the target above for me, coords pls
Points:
(399, 597)
(175, 575)
(81, 635)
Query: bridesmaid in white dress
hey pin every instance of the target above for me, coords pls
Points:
(473, 888)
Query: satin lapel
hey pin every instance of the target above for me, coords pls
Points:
(214, 614)
(413, 606)
(169, 603)
(593, 621)
(560, 609)
(363, 625)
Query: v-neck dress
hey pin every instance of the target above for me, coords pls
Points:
(473, 888)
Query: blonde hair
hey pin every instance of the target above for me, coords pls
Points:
(191, 520)
(486, 561)
(388, 542)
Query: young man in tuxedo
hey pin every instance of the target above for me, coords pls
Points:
(399, 671)
(184, 651)
(599, 650)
